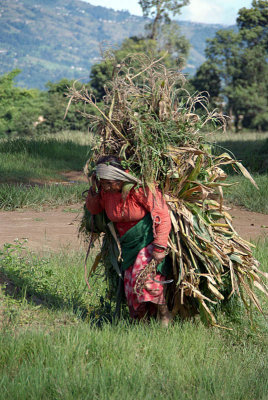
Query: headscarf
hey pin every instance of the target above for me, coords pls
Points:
(112, 173)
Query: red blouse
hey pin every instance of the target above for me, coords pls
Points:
(128, 213)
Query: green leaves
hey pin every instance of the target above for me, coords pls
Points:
(239, 60)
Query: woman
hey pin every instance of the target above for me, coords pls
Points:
(142, 221)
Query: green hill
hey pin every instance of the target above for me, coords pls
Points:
(53, 39)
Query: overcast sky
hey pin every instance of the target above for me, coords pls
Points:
(207, 11)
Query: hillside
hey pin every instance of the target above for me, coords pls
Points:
(52, 39)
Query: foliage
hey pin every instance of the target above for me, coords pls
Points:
(207, 79)
(48, 348)
(103, 72)
(19, 108)
(243, 194)
(33, 172)
(169, 42)
(149, 120)
(53, 111)
(29, 111)
(166, 38)
(19, 196)
(129, 362)
(159, 11)
(240, 60)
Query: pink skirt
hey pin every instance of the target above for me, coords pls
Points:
(153, 293)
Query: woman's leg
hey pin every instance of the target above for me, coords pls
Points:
(150, 298)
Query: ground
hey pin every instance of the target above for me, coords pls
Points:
(57, 228)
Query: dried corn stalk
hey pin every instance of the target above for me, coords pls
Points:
(150, 121)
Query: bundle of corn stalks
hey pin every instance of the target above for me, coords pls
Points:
(157, 129)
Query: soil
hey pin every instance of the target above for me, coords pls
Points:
(56, 229)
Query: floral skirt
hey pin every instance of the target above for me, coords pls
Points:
(153, 292)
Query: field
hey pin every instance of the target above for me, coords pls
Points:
(60, 341)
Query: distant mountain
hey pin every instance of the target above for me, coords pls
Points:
(55, 39)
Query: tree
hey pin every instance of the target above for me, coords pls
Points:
(165, 39)
(207, 78)
(171, 40)
(55, 106)
(159, 11)
(241, 61)
(102, 72)
(19, 108)
(253, 24)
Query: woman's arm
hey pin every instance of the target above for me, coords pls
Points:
(94, 202)
(156, 205)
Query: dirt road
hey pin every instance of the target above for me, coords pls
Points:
(55, 229)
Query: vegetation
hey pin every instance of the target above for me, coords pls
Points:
(20, 196)
(33, 171)
(243, 194)
(149, 121)
(239, 61)
(19, 108)
(56, 341)
(43, 158)
(30, 112)
(159, 11)
(242, 146)
(56, 40)
(234, 73)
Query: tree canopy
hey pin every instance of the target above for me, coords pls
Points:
(159, 11)
(240, 60)
(165, 38)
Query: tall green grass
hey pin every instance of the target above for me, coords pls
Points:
(252, 150)
(57, 279)
(21, 196)
(27, 160)
(24, 160)
(49, 349)
(244, 194)
(187, 362)
(252, 153)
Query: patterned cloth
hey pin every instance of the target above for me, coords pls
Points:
(140, 304)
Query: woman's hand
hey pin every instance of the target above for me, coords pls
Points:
(158, 256)
(95, 185)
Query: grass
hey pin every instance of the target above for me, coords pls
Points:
(252, 150)
(31, 164)
(27, 161)
(20, 196)
(30, 159)
(129, 362)
(246, 195)
(57, 279)
(56, 339)
(53, 347)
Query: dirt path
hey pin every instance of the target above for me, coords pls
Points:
(57, 228)
(45, 230)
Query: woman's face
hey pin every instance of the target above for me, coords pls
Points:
(111, 186)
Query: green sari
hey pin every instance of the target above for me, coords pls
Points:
(135, 239)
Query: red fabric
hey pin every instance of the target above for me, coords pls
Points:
(126, 214)
(153, 291)
(159, 250)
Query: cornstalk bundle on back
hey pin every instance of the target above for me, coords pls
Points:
(150, 121)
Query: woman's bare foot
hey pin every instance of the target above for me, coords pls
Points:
(164, 315)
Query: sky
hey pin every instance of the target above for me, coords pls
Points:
(206, 11)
